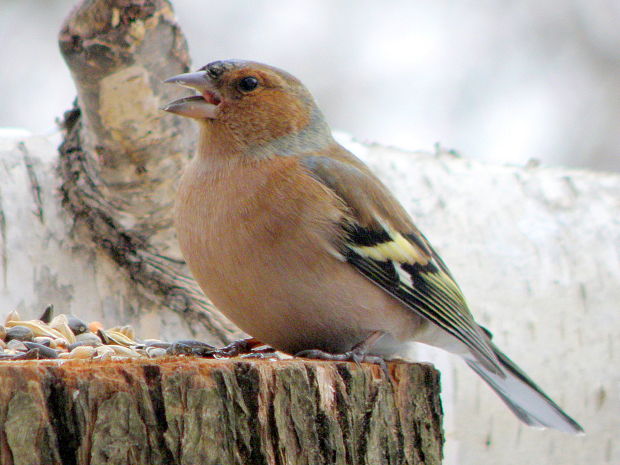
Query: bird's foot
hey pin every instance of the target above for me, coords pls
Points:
(190, 347)
(358, 354)
(236, 348)
(262, 353)
(248, 346)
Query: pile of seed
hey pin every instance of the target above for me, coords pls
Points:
(68, 337)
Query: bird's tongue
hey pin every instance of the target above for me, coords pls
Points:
(210, 97)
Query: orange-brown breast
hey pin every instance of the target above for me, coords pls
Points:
(258, 244)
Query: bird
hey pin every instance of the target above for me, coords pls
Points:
(297, 242)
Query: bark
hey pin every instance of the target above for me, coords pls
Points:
(118, 53)
(181, 411)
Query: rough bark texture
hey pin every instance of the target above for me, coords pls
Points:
(118, 53)
(181, 411)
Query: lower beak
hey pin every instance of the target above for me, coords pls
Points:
(197, 106)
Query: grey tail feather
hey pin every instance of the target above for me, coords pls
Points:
(527, 401)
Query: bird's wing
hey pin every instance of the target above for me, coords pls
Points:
(381, 241)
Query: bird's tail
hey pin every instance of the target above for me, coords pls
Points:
(528, 402)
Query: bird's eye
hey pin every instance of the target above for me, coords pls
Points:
(248, 84)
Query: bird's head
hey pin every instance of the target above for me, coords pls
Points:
(252, 103)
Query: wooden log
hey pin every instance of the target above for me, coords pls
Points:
(195, 411)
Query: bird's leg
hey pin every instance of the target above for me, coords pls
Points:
(358, 354)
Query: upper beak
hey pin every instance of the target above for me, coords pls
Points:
(196, 106)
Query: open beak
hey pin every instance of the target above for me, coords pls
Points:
(199, 106)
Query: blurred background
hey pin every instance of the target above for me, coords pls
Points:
(495, 80)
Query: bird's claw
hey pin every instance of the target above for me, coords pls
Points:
(354, 355)
(358, 354)
(202, 349)
(243, 347)
(190, 347)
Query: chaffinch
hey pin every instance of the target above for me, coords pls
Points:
(296, 241)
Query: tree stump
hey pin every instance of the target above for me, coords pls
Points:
(236, 411)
